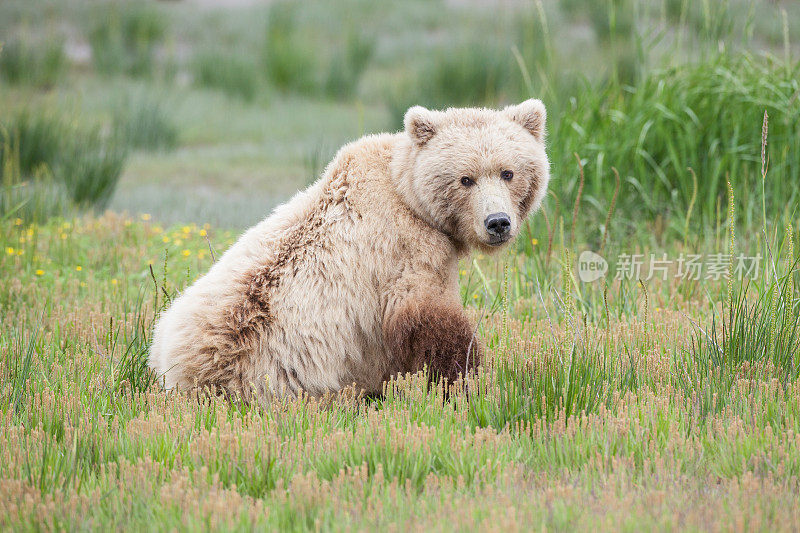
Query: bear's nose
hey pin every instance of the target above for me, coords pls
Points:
(498, 224)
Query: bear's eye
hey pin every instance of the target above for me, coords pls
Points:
(466, 181)
(506, 175)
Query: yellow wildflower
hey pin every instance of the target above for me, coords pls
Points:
(114, 281)
(145, 216)
(534, 242)
(10, 251)
(165, 239)
(186, 229)
(203, 233)
(78, 268)
(39, 272)
(17, 221)
(186, 253)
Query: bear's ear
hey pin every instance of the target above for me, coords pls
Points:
(420, 124)
(531, 115)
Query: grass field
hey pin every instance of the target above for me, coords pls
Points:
(139, 138)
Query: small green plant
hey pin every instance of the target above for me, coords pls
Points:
(518, 393)
(760, 334)
(611, 19)
(348, 65)
(143, 123)
(41, 64)
(33, 198)
(232, 74)
(125, 38)
(34, 137)
(289, 62)
(473, 74)
(82, 159)
(18, 368)
(90, 168)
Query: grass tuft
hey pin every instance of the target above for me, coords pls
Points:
(40, 64)
(651, 130)
(126, 36)
(348, 65)
(143, 123)
(81, 159)
(233, 74)
(289, 65)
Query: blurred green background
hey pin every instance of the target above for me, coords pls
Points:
(214, 111)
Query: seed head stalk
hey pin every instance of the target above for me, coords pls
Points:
(790, 265)
(731, 251)
(764, 168)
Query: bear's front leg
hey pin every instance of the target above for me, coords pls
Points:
(435, 334)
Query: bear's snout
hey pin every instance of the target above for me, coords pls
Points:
(499, 227)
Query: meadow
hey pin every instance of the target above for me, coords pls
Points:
(138, 139)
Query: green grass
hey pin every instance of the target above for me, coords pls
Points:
(145, 124)
(651, 131)
(585, 409)
(37, 64)
(126, 36)
(91, 168)
(290, 65)
(41, 146)
(229, 73)
(348, 65)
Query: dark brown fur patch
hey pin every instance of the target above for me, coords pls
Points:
(436, 335)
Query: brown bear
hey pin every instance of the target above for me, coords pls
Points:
(355, 279)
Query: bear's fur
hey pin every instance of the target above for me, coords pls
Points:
(355, 279)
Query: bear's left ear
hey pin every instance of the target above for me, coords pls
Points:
(420, 124)
(531, 115)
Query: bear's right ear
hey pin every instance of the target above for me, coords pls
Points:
(420, 124)
(531, 115)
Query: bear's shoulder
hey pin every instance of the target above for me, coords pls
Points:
(360, 171)
(370, 153)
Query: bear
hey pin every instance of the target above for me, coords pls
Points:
(355, 279)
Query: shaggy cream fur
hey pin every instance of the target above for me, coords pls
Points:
(355, 279)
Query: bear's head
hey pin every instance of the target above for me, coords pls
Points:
(474, 174)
